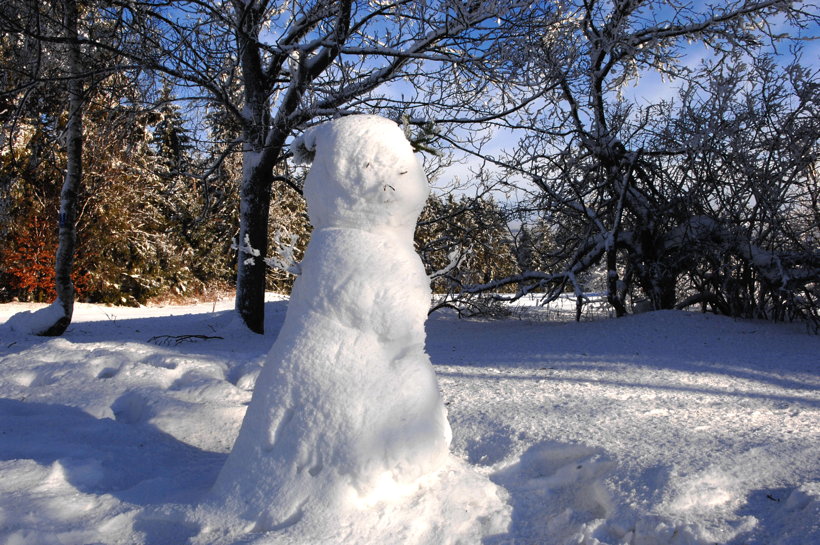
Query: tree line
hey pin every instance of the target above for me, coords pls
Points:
(144, 146)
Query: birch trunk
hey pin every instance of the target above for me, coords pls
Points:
(64, 262)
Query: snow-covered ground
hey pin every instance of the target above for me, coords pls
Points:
(659, 428)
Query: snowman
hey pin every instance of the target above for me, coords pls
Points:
(346, 411)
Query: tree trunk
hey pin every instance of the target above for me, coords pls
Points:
(64, 262)
(612, 281)
(664, 294)
(258, 159)
(613, 295)
(616, 178)
(656, 275)
(253, 243)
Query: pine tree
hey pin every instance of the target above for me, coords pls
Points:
(171, 140)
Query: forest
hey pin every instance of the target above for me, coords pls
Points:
(145, 147)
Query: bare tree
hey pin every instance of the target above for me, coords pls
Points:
(73, 173)
(747, 244)
(43, 28)
(594, 168)
(294, 63)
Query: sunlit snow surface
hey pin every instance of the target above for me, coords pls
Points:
(661, 428)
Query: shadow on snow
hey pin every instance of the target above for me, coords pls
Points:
(136, 464)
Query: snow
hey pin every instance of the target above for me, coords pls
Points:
(346, 424)
(38, 321)
(364, 175)
(664, 427)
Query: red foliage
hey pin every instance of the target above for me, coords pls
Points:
(27, 261)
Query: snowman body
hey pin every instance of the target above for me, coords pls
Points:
(346, 410)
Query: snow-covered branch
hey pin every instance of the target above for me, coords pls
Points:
(284, 251)
(246, 249)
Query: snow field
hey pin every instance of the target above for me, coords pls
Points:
(669, 427)
(688, 428)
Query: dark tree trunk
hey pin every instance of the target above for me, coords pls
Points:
(64, 262)
(620, 181)
(264, 139)
(253, 245)
(257, 173)
(613, 293)
(656, 277)
(664, 296)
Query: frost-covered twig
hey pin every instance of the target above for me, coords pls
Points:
(175, 340)
(246, 248)
(455, 258)
(284, 257)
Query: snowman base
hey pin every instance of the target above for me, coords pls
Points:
(456, 505)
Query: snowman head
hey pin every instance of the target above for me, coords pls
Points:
(364, 174)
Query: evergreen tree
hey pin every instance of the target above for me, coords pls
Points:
(171, 140)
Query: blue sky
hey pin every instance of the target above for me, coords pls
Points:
(652, 88)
